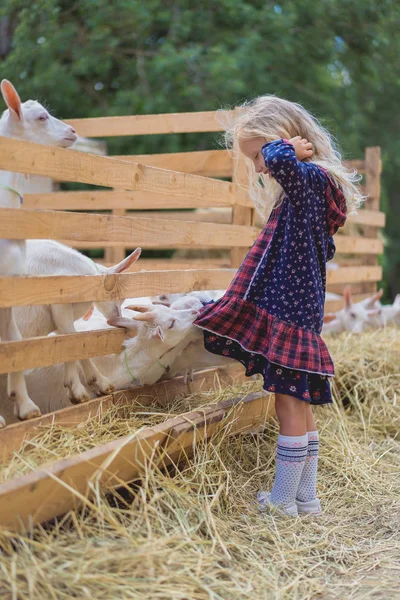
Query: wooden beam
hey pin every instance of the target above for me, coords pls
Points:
(359, 165)
(191, 122)
(44, 351)
(346, 244)
(141, 200)
(136, 231)
(175, 264)
(60, 289)
(51, 491)
(335, 305)
(219, 215)
(354, 274)
(164, 392)
(208, 163)
(375, 218)
(241, 215)
(70, 165)
(28, 291)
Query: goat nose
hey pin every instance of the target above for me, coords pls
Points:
(73, 130)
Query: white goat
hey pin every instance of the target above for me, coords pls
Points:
(195, 356)
(203, 295)
(47, 257)
(151, 335)
(388, 313)
(354, 317)
(29, 121)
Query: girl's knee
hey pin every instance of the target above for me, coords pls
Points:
(290, 404)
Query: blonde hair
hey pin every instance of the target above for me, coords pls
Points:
(273, 118)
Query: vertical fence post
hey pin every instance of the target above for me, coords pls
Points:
(114, 254)
(373, 168)
(241, 215)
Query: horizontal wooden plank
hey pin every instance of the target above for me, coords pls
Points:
(191, 122)
(359, 165)
(143, 232)
(44, 351)
(346, 244)
(374, 218)
(171, 264)
(164, 392)
(26, 291)
(50, 492)
(218, 215)
(70, 165)
(209, 163)
(335, 305)
(354, 274)
(29, 291)
(109, 199)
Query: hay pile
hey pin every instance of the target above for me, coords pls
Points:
(197, 535)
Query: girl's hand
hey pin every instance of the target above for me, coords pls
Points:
(302, 147)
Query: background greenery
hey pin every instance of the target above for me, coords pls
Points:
(337, 57)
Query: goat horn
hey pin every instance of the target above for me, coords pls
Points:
(148, 316)
(141, 309)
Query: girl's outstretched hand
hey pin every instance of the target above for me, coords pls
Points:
(302, 147)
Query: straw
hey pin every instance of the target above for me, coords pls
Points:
(195, 533)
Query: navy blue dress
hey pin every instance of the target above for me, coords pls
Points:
(271, 316)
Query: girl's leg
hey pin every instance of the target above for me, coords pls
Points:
(292, 449)
(307, 490)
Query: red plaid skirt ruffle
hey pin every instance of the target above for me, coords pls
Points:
(259, 332)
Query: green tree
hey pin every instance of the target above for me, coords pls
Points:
(337, 57)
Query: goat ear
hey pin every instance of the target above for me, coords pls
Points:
(347, 297)
(396, 301)
(158, 332)
(11, 98)
(126, 263)
(329, 317)
(374, 312)
(137, 308)
(89, 313)
(371, 301)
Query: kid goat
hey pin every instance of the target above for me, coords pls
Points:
(29, 121)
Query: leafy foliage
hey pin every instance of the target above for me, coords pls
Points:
(337, 57)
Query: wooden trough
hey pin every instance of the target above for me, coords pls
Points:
(140, 189)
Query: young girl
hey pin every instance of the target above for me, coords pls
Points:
(271, 316)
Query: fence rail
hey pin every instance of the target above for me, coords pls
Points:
(154, 189)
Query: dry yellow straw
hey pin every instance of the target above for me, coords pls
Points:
(194, 533)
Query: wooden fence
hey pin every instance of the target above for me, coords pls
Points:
(140, 189)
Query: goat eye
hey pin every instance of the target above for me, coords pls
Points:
(353, 315)
(43, 117)
(163, 297)
(172, 324)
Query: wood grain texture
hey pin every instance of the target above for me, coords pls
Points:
(346, 244)
(44, 351)
(164, 392)
(134, 231)
(64, 485)
(191, 122)
(71, 165)
(28, 291)
(208, 163)
(141, 200)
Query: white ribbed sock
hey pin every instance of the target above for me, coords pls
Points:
(290, 459)
(308, 482)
